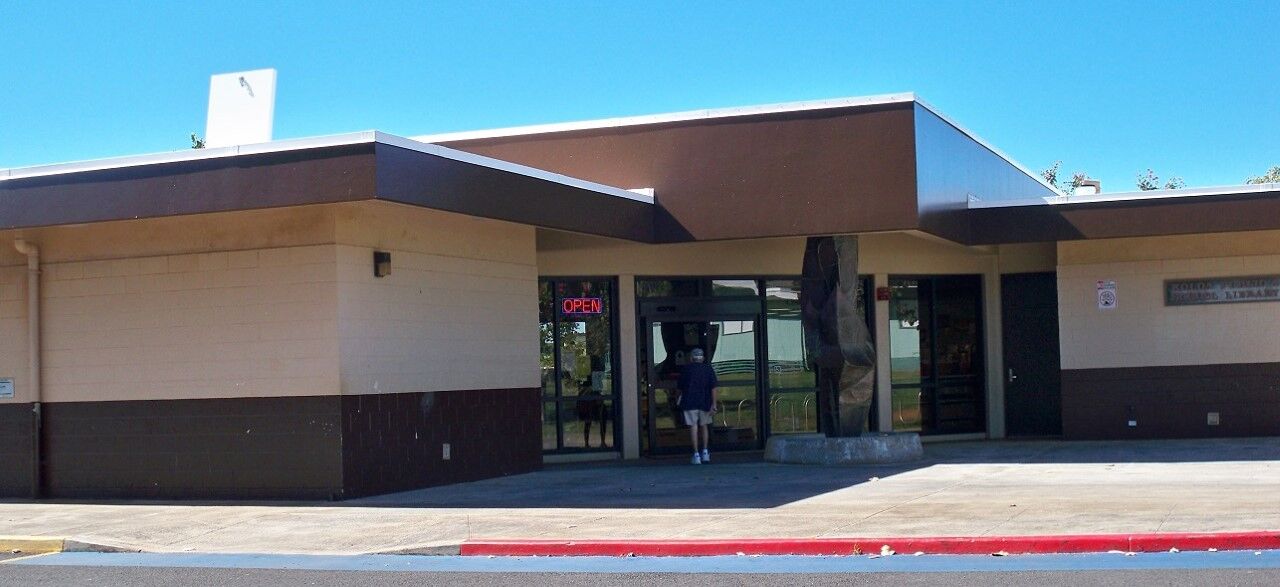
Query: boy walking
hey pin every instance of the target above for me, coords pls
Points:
(697, 399)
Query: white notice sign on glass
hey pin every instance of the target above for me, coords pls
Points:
(6, 388)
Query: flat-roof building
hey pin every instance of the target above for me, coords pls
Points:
(365, 313)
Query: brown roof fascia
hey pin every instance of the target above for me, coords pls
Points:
(776, 174)
(1258, 210)
(441, 183)
(346, 172)
(340, 173)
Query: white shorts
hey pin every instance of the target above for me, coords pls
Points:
(696, 417)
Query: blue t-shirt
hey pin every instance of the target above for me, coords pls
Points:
(695, 385)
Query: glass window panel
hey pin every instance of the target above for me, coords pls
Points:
(909, 405)
(584, 368)
(585, 358)
(734, 425)
(669, 352)
(909, 342)
(939, 319)
(549, 426)
(783, 290)
(575, 365)
(731, 345)
(659, 351)
(788, 367)
(734, 287)
(547, 359)
(861, 302)
(672, 342)
(960, 409)
(956, 303)
(588, 423)
(667, 288)
(793, 413)
(545, 301)
(669, 431)
(546, 338)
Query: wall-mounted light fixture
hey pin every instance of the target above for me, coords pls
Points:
(381, 263)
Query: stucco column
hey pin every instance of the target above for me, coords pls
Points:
(630, 392)
(993, 329)
(884, 364)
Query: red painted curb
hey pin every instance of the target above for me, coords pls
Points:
(1080, 543)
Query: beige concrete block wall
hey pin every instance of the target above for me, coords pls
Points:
(458, 311)
(249, 304)
(253, 323)
(232, 231)
(1028, 258)
(561, 253)
(1141, 331)
(217, 305)
(13, 330)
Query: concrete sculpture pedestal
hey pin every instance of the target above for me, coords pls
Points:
(870, 448)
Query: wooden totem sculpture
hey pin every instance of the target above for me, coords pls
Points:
(838, 344)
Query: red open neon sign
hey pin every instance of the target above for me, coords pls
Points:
(581, 306)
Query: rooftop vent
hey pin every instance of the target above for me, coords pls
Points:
(1088, 187)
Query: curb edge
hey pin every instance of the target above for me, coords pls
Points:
(31, 544)
(986, 545)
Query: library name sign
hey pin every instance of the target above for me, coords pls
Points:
(1222, 290)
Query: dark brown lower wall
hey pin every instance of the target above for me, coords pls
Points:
(316, 447)
(1171, 402)
(395, 442)
(285, 447)
(17, 424)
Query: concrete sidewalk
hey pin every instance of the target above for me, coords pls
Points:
(962, 489)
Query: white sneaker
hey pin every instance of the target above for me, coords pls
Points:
(706, 456)
(697, 459)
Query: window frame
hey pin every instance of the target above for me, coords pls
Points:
(706, 293)
(932, 380)
(558, 399)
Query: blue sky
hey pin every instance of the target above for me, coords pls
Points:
(1112, 88)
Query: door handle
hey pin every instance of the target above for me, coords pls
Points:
(1011, 375)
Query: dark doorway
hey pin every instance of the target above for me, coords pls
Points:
(1032, 384)
(935, 341)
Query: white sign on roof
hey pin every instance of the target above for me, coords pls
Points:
(241, 108)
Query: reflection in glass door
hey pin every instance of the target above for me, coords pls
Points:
(935, 339)
(731, 347)
(577, 359)
(791, 381)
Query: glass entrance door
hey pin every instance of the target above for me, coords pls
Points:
(935, 337)
(731, 346)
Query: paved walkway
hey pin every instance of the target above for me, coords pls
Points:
(982, 488)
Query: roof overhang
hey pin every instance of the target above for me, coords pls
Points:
(848, 165)
(845, 166)
(1121, 215)
(341, 168)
